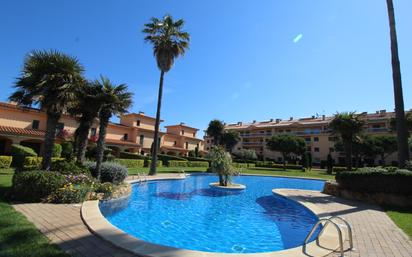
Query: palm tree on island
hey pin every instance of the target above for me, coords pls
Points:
(49, 79)
(169, 42)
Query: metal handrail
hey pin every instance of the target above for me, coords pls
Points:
(349, 229)
(327, 221)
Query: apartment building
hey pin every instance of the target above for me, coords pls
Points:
(134, 132)
(314, 130)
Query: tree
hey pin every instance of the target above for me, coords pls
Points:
(230, 138)
(246, 154)
(347, 125)
(216, 129)
(221, 163)
(401, 129)
(286, 144)
(386, 145)
(49, 79)
(169, 42)
(115, 100)
(86, 111)
(329, 164)
(408, 118)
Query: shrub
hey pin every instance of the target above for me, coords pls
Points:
(376, 180)
(338, 169)
(239, 165)
(110, 172)
(57, 150)
(20, 152)
(65, 167)
(105, 188)
(409, 165)
(67, 150)
(130, 163)
(148, 163)
(78, 179)
(33, 163)
(391, 168)
(198, 164)
(70, 194)
(33, 186)
(287, 166)
(173, 163)
(166, 158)
(127, 155)
(5, 162)
(265, 164)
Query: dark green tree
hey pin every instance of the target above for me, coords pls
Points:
(230, 138)
(329, 164)
(347, 125)
(286, 145)
(169, 42)
(216, 129)
(49, 79)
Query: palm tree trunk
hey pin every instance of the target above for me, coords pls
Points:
(156, 132)
(49, 139)
(401, 130)
(348, 154)
(101, 145)
(81, 141)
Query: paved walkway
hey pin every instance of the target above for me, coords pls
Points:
(374, 232)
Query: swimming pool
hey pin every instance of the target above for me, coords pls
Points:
(188, 214)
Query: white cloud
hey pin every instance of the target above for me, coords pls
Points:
(297, 38)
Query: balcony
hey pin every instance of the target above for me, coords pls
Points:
(253, 143)
(372, 130)
(256, 135)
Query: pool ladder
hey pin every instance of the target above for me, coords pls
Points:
(141, 177)
(325, 222)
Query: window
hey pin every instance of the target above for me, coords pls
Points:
(183, 132)
(142, 152)
(307, 139)
(59, 127)
(93, 132)
(316, 139)
(317, 149)
(125, 137)
(207, 148)
(138, 123)
(288, 130)
(208, 141)
(194, 134)
(175, 143)
(141, 139)
(35, 124)
(187, 145)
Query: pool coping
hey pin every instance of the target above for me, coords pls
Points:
(100, 226)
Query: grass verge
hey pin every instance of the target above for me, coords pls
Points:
(18, 236)
(402, 218)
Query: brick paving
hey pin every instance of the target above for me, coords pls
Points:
(374, 233)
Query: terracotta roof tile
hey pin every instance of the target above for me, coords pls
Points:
(21, 131)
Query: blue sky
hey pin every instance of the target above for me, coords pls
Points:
(248, 60)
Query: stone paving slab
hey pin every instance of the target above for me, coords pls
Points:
(374, 233)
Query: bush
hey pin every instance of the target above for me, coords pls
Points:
(287, 166)
(33, 163)
(110, 172)
(5, 162)
(173, 163)
(409, 165)
(148, 163)
(127, 155)
(376, 180)
(20, 152)
(67, 150)
(265, 164)
(105, 188)
(239, 165)
(66, 168)
(33, 186)
(57, 150)
(166, 158)
(130, 163)
(70, 194)
(198, 164)
(338, 169)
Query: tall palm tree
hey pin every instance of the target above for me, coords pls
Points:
(216, 129)
(49, 80)
(348, 125)
(115, 101)
(401, 130)
(86, 110)
(169, 42)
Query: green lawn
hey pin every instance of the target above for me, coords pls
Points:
(19, 237)
(321, 174)
(402, 218)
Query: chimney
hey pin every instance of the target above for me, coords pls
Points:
(313, 117)
(377, 112)
(182, 123)
(291, 118)
(382, 111)
(141, 113)
(323, 117)
(239, 123)
(278, 120)
(271, 120)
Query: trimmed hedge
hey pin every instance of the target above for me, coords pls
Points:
(338, 169)
(239, 165)
(166, 158)
(33, 163)
(148, 163)
(204, 164)
(20, 152)
(287, 166)
(173, 163)
(130, 163)
(127, 155)
(264, 164)
(5, 162)
(68, 168)
(376, 180)
(33, 186)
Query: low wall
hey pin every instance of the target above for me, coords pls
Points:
(333, 188)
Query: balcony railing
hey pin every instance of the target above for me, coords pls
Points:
(256, 135)
(253, 143)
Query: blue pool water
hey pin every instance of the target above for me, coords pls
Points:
(188, 214)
